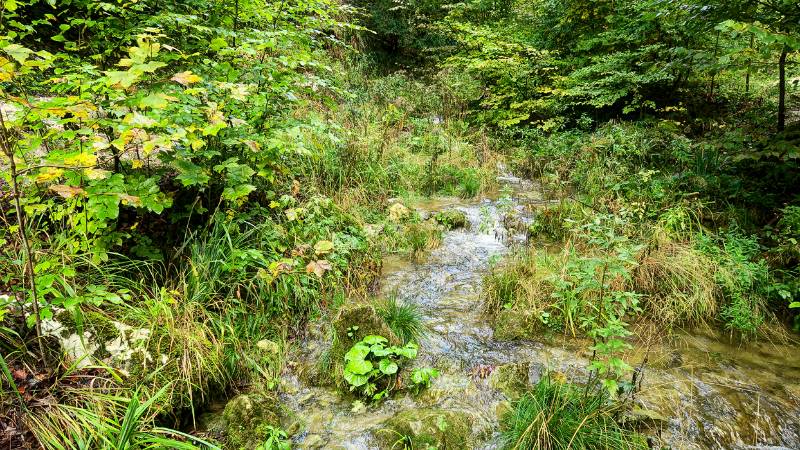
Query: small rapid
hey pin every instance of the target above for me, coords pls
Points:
(704, 393)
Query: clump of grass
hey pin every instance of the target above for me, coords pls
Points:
(91, 418)
(421, 236)
(679, 284)
(554, 222)
(405, 319)
(560, 416)
(521, 282)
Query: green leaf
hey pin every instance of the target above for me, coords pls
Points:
(357, 352)
(358, 366)
(18, 52)
(371, 339)
(355, 380)
(387, 366)
(409, 351)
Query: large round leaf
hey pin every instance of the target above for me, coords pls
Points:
(355, 380)
(358, 366)
(357, 353)
(387, 366)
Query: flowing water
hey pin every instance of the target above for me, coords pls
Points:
(710, 394)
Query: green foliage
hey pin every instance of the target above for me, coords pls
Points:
(560, 415)
(743, 277)
(371, 367)
(421, 378)
(277, 439)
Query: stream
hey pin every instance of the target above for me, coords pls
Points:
(705, 392)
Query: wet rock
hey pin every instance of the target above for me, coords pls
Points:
(501, 409)
(352, 323)
(425, 428)
(510, 379)
(246, 419)
(451, 219)
(313, 441)
(639, 418)
(512, 324)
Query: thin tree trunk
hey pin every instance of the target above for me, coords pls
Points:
(713, 75)
(782, 90)
(747, 77)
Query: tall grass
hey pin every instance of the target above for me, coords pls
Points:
(556, 416)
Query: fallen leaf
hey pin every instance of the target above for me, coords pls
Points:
(66, 191)
(318, 267)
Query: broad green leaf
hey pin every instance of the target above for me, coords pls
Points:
(387, 366)
(358, 366)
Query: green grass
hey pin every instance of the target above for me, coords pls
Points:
(405, 319)
(555, 416)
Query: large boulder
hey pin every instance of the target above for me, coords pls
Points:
(425, 428)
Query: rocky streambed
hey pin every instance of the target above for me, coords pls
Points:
(698, 390)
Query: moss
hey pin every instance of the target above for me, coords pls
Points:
(451, 219)
(510, 379)
(439, 428)
(352, 323)
(246, 420)
(510, 325)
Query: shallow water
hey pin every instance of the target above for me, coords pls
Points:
(712, 394)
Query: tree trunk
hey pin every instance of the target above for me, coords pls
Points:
(782, 89)
(747, 78)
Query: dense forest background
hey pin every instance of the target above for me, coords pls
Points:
(196, 181)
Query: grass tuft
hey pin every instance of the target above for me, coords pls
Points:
(561, 416)
(405, 319)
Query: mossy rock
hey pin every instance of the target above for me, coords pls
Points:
(510, 379)
(246, 419)
(511, 325)
(352, 323)
(451, 219)
(426, 428)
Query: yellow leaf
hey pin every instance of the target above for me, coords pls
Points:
(96, 174)
(186, 78)
(129, 199)
(81, 160)
(318, 267)
(137, 164)
(323, 247)
(48, 174)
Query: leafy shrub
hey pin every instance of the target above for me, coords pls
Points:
(557, 415)
(743, 278)
(371, 367)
